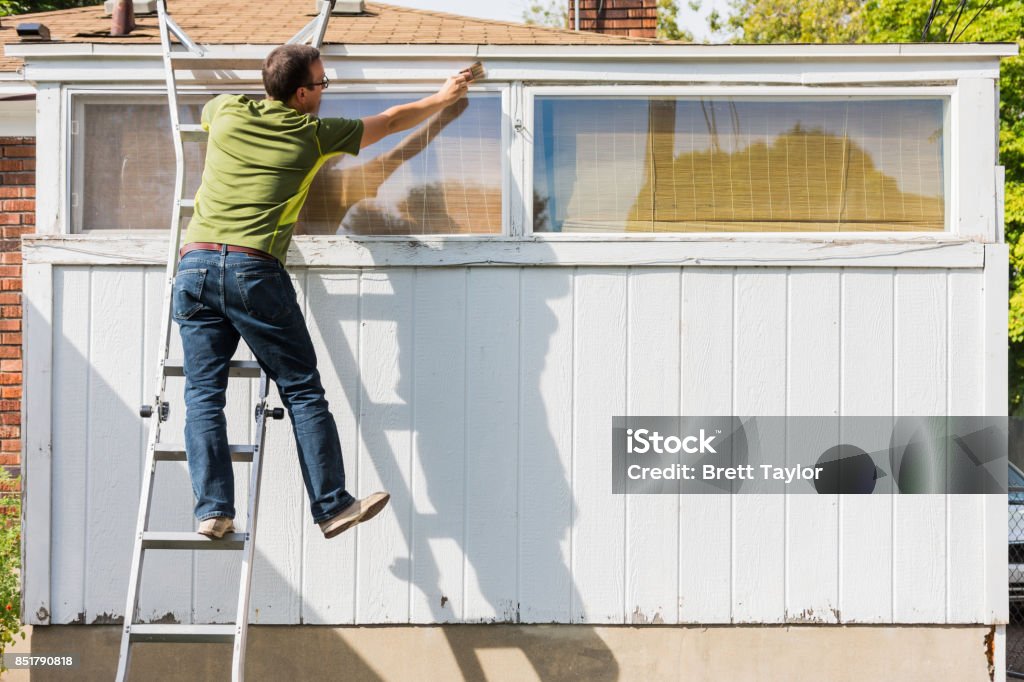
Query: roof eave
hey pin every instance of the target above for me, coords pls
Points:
(587, 52)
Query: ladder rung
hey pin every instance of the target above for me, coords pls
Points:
(239, 368)
(192, 132)
(190, 540)
(187, 206)
(175, 452)
(150, 632)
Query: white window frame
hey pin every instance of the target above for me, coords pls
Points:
(75, 100)
(950, 156)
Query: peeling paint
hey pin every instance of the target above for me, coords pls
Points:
(79, 619)
(444, 600)
(990, 652)
(107, 619)
(640, 618)
(43, 614)
(168, 619)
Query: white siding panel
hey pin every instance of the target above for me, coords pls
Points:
(114, 436)
(705, 521)
(652, 521)
(919, 532)
(439, 446)
(812, 521)
(759, 383)
(482, 399)
(328, 566)
(965, 514)
(385, 448)
(71, 506)
(546, 504)
(599, 362)
(492, 449)
(866, 386)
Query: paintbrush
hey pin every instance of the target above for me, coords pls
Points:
(476, 71)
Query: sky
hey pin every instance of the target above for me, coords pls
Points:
(512, 10)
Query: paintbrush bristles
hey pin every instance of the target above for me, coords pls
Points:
(476, 71)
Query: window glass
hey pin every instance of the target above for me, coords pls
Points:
(724, 164)
(442, 177)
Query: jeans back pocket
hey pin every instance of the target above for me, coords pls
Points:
(264, 294)
(188, 292)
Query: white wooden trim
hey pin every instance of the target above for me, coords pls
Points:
(37, 345)
(368, 252)
(506, 160)
(49, 154)
(1000, 181)
(974, 154)
(942, 51)
(519, 187)
(997, 610)
(568, 66)
(758, 92)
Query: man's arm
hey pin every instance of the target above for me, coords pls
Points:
(405, 116)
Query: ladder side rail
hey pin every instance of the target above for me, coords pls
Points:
(326, 7)
(255, 476)
(156, 416)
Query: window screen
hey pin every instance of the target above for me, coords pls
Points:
(445, 176)
(664, 164)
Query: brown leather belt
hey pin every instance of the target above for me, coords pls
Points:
(210, 246)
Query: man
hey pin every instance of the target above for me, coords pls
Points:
(231, 282)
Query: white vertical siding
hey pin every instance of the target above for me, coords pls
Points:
(482, 398)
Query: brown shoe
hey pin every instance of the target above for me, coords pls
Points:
(216, 526)
(357, 512)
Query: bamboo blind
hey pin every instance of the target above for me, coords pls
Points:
(711, 165)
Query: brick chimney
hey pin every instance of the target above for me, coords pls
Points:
(636, 18)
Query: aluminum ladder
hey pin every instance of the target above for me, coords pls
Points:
(194, 57)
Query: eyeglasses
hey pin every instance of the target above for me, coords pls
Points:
(322, 83)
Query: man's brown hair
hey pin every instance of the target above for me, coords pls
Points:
(287, 68)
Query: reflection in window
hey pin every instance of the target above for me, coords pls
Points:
(731, 164)
(442, 177)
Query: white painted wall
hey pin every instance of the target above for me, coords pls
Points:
(482, 398)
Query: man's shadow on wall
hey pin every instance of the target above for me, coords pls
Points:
(433, 446)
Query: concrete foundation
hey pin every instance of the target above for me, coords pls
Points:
(522, 653)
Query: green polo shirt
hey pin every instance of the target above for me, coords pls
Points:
(260, 160)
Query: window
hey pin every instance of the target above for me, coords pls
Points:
(735, 164)
(123, 156)
(443, 177)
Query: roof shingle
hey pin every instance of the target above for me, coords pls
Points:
(274, 23)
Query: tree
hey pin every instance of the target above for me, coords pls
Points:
(902, 21)
(781, 21)
(668, 22)
(547, 13)
(11, 7)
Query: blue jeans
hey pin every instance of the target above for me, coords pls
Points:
(218, 298)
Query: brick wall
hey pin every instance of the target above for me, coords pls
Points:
(637, 18)
(17, 217)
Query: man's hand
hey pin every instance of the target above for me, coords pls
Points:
(454, 88)
(405, 116)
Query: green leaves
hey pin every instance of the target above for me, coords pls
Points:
(10, 560)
